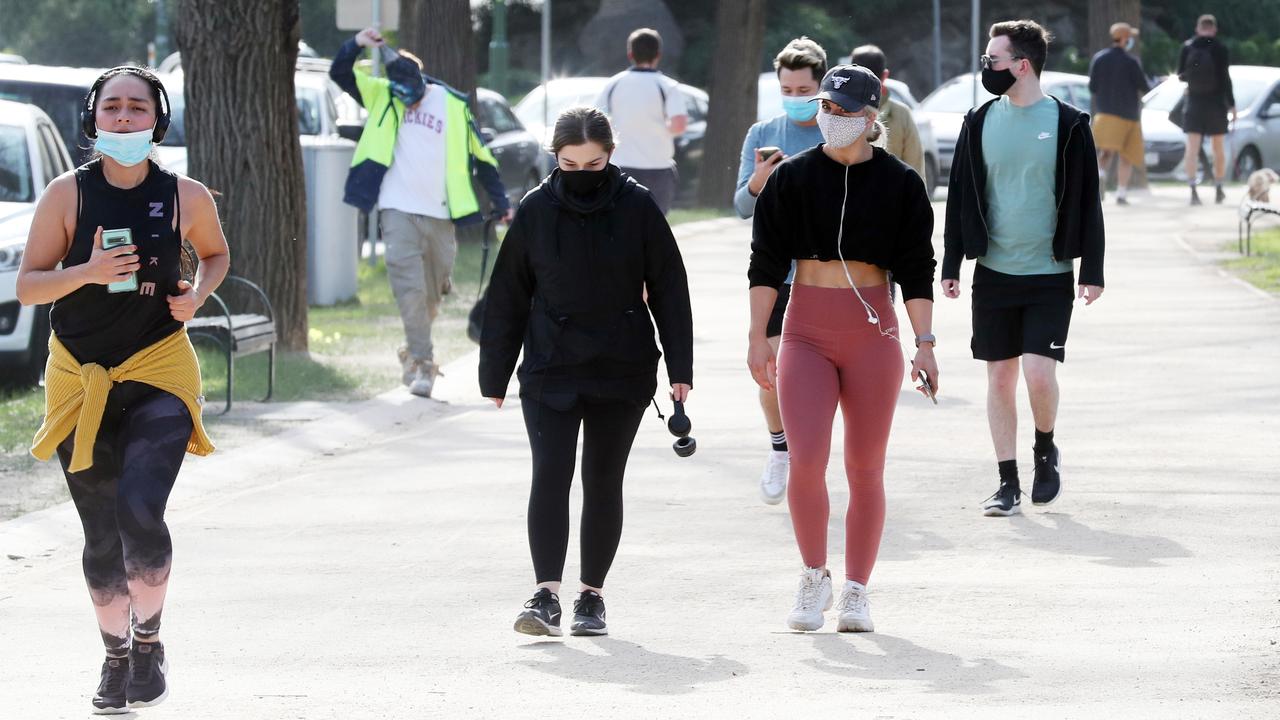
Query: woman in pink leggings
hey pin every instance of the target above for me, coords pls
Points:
(855, 219)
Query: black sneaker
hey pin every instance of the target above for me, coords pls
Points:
(542, 616)
(1220, 196)
(1122, 202)
(110, 698)
(588, 615)
(1048, 478)
(1006, 501)
(1195, 197)
(147, 670)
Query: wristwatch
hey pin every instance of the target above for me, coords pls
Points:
(928, 337)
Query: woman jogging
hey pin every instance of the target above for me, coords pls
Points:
(569, 286)
(122, 382)
(855, 219)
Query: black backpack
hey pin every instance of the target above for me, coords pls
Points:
(1201, 72)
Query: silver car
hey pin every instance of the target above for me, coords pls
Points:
(1254, 142)
(946, 106)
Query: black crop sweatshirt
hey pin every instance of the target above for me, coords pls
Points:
(888, 221)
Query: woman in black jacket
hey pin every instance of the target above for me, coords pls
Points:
(569, 285)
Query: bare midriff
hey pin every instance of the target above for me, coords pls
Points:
(829, 274)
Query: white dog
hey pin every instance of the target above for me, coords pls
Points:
(1260, 183)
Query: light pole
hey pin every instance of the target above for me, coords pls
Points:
(546, 62)
(498, 48)
(973, 47)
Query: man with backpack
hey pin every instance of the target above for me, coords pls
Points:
(1203, 66)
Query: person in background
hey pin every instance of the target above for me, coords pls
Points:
(1203, 65)
(902, 135)
(648, 112)
(799, 67)
(1117, 84)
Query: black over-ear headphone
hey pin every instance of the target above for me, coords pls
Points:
(679, 425)
(87, 121)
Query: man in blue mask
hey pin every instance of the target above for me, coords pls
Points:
(800, 67)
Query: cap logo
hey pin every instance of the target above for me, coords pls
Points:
(839, 81)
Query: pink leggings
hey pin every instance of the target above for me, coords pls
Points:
(831, 353)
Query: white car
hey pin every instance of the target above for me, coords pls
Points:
(1254, 143)
(31, 156)
(769, 105)
(946, 106)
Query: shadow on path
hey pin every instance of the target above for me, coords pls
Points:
(630, 665)
(880, 657)
(1060, 533)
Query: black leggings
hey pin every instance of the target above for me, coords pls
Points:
(121, 501)
(609, 427)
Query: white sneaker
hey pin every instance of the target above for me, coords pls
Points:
(855, 611)
(812, 599)
(773, 482)
(424, 378)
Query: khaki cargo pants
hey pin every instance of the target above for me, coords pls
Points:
(420, 254)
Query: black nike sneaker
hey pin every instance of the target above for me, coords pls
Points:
(542, 616)
(110, 698)
(1048, 478)
(1004, 502)
(147, 671)
(588, 615)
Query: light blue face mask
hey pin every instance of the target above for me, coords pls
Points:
(128, 149)
(800, 109)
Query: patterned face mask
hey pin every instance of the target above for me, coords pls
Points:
(841, 130)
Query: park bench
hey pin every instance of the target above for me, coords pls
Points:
(1250, 210)
(239, 333)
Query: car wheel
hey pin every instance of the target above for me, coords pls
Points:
(1247, 163)
(930, 175)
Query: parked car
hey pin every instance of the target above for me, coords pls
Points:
(31, 156)
(10, 58)
(59, 92)
(1253, 144)
(769, 105)
(946, 106)
(538, 114)
(518, 151)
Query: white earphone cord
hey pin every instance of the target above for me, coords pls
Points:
(872, 316)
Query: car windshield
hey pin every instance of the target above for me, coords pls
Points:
(15, 166)
(563, 97)
(954, 97)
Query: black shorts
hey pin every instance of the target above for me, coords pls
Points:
(774, 329)
(1205, 115)
(1018, 314)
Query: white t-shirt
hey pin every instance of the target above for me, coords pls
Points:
(415, 181)
(639, 103)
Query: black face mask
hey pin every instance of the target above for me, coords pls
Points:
(997, 82)
(584, 182)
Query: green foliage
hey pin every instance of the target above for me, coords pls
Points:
(89, 33)
(1262, 268)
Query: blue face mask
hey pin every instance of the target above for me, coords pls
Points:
(128, 149)
(800, 109)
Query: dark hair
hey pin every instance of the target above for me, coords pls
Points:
(802, 53)
(1207, 22)
(581, 125)
(1029, 39)
(645, 45)
(153, 82)
(871, 58)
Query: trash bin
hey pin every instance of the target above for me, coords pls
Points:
(331, 223)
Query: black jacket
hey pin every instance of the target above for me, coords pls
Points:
(568, 286)
(1079, 231)
(1224, 92)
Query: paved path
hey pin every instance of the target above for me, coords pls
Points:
(369, 566)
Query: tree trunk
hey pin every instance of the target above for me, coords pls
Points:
(440, 33)
(242, 140)
(1104, 13)
(734, 82)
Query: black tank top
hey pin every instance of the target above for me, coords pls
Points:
(103, 327)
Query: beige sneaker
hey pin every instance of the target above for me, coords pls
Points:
(424, 378)
(408, 366)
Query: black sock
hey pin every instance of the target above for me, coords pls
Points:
(1008, 472)
(1044, 442)
(779, 440)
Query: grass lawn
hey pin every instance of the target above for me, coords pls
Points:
(1262, 268)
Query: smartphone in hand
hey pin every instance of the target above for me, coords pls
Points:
(116, 238)
(768, 152)
(927, 387)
